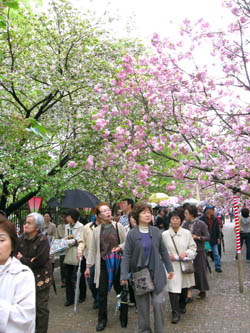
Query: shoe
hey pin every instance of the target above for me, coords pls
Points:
(95, 305)
(68, 303)
(81, 300)
(189, 300)
(218, 270)
(100, 326)
(202, 294)
(175, 318)
(183, 310)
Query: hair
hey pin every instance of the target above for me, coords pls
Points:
(130, 202)
(176, 212)
(73, 213)
(39, 220)
(245, 212)
(192, 209)
(97, 209)
(10, 229)
(138, 208)
(162, 209)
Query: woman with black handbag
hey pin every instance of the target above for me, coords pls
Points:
(180, 246)
(144, 256)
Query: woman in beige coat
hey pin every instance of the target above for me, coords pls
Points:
(181, 239)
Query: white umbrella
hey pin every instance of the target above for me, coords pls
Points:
(158, 197)
(191, 201)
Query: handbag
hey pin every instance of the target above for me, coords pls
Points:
(187, 266)
(71, 256)
(142, 282)
(58, 245)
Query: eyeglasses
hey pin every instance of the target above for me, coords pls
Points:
(105, 211)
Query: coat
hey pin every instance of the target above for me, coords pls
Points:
(215, 234)
(94, 253)
(184, 243)
(17, 298)
(84, 243)
(38, 248)
(134, 258)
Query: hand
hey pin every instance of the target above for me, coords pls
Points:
(182, 255)
(171, 256)
(196, 237)
(19, 255)
(79, 256)
(122, 282)
(170, 275)
(32, 259)
(116, 249)
(218, 241)
(87, 273)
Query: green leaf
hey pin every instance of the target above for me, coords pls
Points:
(12, 4)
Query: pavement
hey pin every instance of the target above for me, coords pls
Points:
(224, 309)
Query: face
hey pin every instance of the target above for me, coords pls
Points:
(70, 220)
(188, 216)
(145, 216)
(125, 206)
(5, 247)
(162, 213)
(105, 214)
(47, 218)
(175, 222)
(132, 221)
(209, 213)
(29, 226)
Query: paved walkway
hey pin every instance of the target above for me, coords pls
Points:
(224, 310)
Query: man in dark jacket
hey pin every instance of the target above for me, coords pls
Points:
(215, 236)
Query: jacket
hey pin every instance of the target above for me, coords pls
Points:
(84, 243)
(215, 234)
(17, 298)
(94, 253)
(184, 243)
(37, 248)
(71, 252)
(134, 259)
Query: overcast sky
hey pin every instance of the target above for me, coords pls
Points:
(149, 16)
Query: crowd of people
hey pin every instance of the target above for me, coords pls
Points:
(150, 253)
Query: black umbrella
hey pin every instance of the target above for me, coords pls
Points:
(124, 306)
(75, 199)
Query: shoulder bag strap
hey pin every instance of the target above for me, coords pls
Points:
(175, 245)
(118, 236)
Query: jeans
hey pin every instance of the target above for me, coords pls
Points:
(245, 236)
(91, 284)
(216, 256)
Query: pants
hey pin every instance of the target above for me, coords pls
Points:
(216, 256)
(143, 308)
(62, 269)
(103, 291)
(42, 311)
(82, 286)
(245, 236)
(70, 282)
(178, 301)
(91, 284)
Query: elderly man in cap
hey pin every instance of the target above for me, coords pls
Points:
(215, 235)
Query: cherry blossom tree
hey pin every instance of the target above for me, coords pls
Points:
(193, 115)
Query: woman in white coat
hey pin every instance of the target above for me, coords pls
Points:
(180, 244)
(17, 286)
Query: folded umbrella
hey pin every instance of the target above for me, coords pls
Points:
(124, 305)
(113, 260)
(78, 277)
